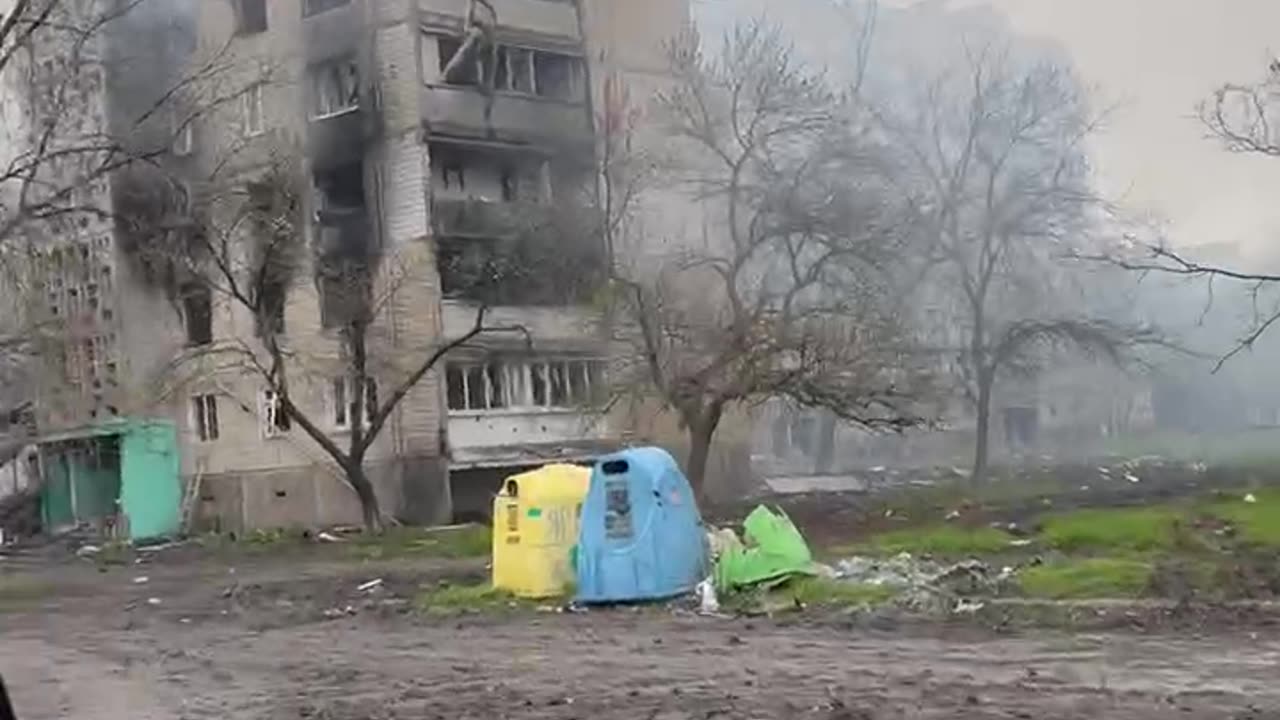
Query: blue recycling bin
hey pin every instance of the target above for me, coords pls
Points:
(641, 536)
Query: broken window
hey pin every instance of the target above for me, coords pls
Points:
(335, 88)
(313, 7)
(342, 402)
(275, 421)
(470, 71)
(197, 314)
(543, 385)
(204, 415)
(251, 16)
(453, 174)
(556, 75)
(251, 111)
(519, 70)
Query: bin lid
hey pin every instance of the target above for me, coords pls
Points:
(567, 483)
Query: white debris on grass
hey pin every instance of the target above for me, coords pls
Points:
(366, 587)
(924, 584)
(1251, 499)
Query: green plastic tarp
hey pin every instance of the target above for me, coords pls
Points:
(774, 551)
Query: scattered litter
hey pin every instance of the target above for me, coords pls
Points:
(162, 546)
(708, 603)
(1251, 498)
(964, 607)
(339, 612)
(878, 469)
(185, 621)
(1020, 542)
(153, 601)
(88, 551)
(925, 585)
(888, 513)
(329, 537)
(953, 515)
(366, 587)
(141, 580)
(1132, 478)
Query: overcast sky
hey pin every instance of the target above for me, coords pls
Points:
(1156, 59)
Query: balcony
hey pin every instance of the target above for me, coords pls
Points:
(557, 19)
(478, 218)
(460, 111)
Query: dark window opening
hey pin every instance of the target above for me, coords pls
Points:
(197, 313)
(313, 7)
(346, 245)
(251, 17)
(457, 386)
(510, 185)
(469, 74)
(555, 75)
(335, 88)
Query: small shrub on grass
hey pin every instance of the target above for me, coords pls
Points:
(943, 541)
(1134, 529)
(1089, 578)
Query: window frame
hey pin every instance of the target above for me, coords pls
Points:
(270, 416)
(340, 412)
(522, 382)
(253, 95)
(204, 418)
(320, 72)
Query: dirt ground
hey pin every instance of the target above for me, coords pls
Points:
(294, 638)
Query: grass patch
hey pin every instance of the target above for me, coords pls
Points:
(455, 599)
(827, 593)
(1142, 529)
(1089, 578)
(944, 541)
(1257, 523)
(469, 541)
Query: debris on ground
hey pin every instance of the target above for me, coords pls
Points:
(925, 585)
(708, 603)
(369, 586)
(773, 551)
(1251, 499)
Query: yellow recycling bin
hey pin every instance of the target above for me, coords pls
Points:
(535, 526)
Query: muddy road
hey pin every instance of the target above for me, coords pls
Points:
(266, 643)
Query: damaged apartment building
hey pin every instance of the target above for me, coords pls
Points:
(446, 137)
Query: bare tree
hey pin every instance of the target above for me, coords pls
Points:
(245, 243)
(996, 166)
(82, 107)
(784, 296)
(1243, 118)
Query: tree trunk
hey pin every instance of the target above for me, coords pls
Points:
(825, 453)
(368, 498)
(700, 436)
(982, 447)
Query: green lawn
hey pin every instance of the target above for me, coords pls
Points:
(947, 541)
(1141, 529)
(1087, 578)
